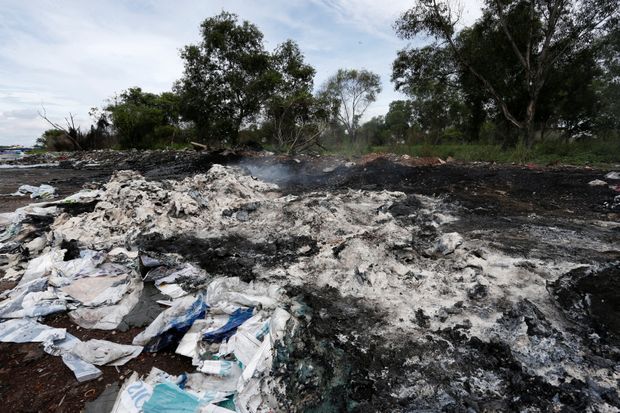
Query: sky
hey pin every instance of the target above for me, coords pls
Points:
(66, 56)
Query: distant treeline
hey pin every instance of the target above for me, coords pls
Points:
(525, 73)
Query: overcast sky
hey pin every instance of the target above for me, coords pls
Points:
(69, 56)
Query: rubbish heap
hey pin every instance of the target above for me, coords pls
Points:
(226, 326)
(290, 302)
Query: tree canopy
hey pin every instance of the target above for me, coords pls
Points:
(350, 92)
(142, 119)
(515, 48)
(227, 77)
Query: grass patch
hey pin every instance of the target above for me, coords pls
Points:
(593, 152)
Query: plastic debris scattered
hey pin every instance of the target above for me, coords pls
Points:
(597, 182)
(43, 191)
(103, 352)
(26, 330)
(283, 299)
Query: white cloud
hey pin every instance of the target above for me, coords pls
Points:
(374, 17)
(72, 55)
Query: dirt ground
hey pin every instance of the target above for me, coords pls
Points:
(497, 198)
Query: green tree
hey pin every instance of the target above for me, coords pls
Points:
(72, 138)
(296, 118)
(431, 79)
(539, 33)
(375, 132)
(607, 83)
(143, 120)
(227, 77)
(399, 119)
(350, 92)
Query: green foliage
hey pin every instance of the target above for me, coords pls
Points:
(399, 119)
(227, 77)
(606, 84)
(295, 118)
(349, 93)
(72, 138)
(512, 87)
(530, 60)
(52, 140)
(144, 120)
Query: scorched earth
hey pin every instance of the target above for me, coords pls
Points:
(262, 284)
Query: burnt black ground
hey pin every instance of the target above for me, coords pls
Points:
(338, 362)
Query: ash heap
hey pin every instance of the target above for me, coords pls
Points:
(318, 300)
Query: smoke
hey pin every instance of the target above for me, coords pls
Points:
(276, 173)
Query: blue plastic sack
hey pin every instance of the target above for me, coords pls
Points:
(237, 318)
(178, 326)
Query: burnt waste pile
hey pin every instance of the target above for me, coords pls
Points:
(315, 295)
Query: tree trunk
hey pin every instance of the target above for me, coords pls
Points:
(528, 124)
(234, 138)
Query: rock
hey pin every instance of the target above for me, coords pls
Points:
(613, 175)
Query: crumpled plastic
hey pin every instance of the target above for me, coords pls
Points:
(108, 317)
(103, 352)
(172, 323)
(42, 191)
(26, 330)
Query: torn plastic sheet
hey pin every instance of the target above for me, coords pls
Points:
(247, 340)
(172, 323)
(168, 397)
(84, 195)
(135, 392)
(132, 396)
(81, 356)
(57, 347)
(108, 317)
(249, 396)
(42, 265)
(103, 352)
(168, 284)
(188, 346)
(11, 222)
(212, 388)
(237, 293)
(222, 368)
(82, 370)
(10, 230)
(160, 392)
(85, 266)
(36, 304)
(15, 297)
(97, 291)
(56, 341)
(237, 318)
(43, 191)
(26, 330)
